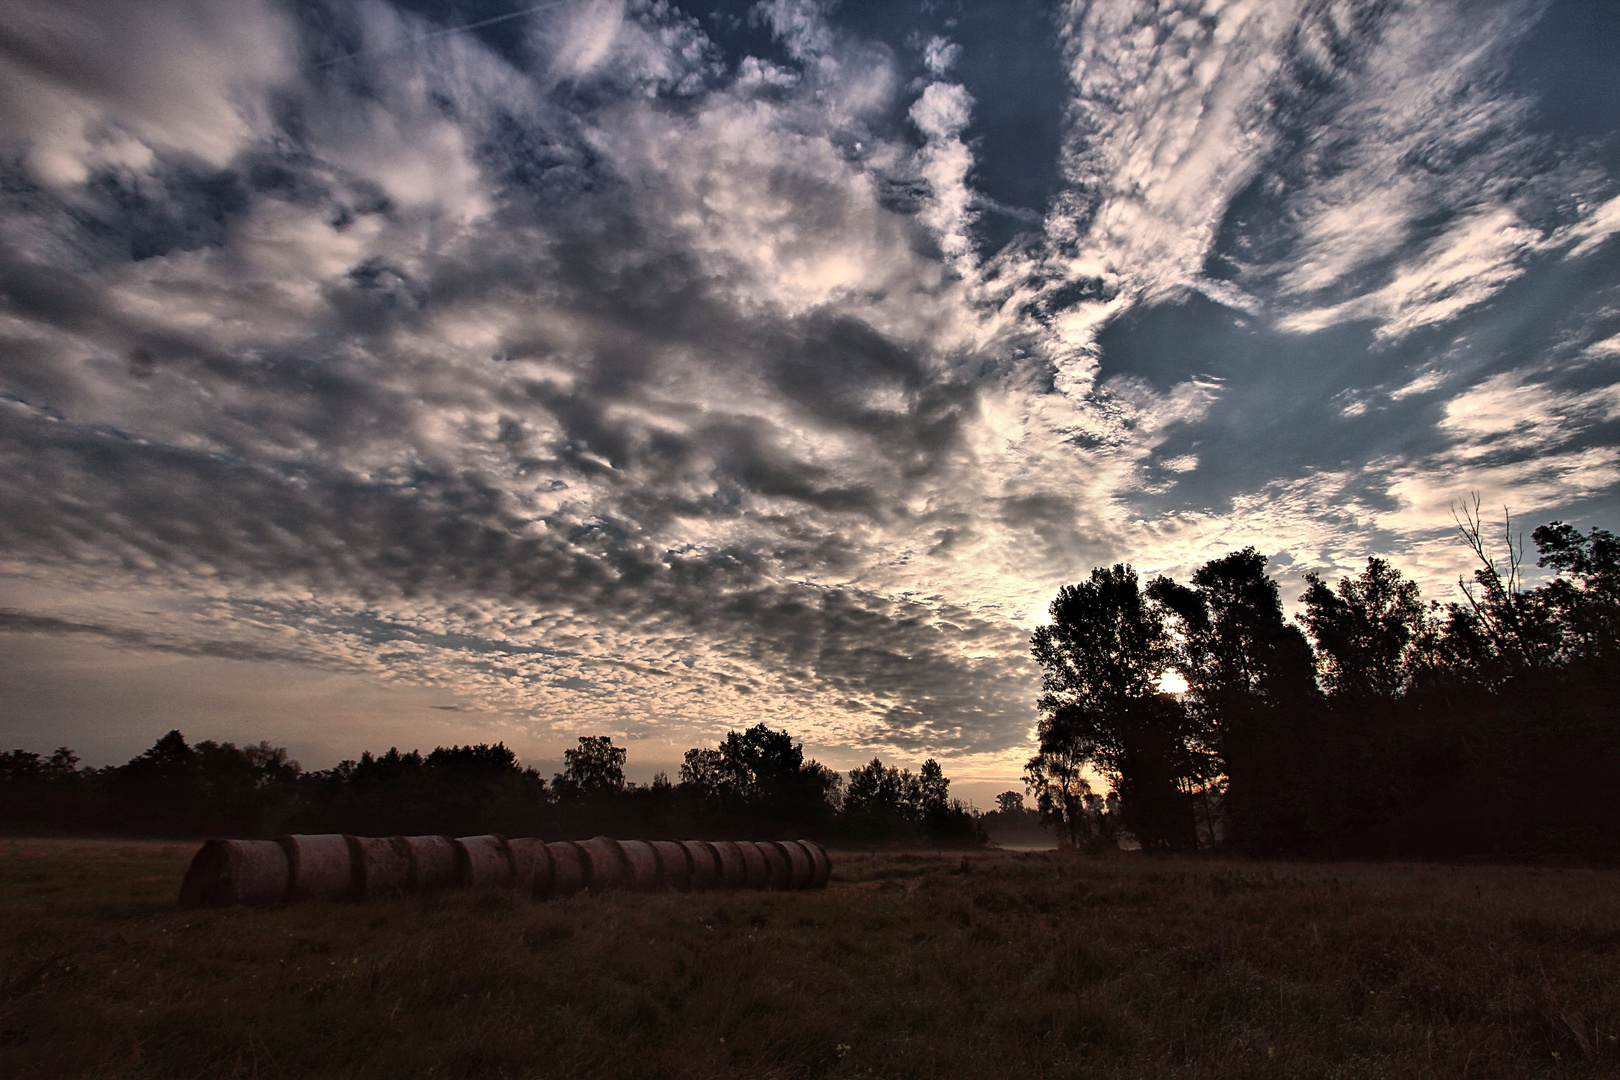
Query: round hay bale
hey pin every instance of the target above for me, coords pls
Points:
(733, 871)
(800, 872)
(609, 867)
(570, 869)
(674, 865)
(436, 863)
(382, 866)
(705, 864)
(778, 871)
(642, 862)
(819, 863)
(531, 867)
(319, 867)
(488, 861)
(758, 871)
(225, 872)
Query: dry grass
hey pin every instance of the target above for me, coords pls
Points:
(1005, 966)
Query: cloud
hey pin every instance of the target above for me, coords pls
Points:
(1463, 267)
(391, 389)
(1420, 191)
(940, 55)
(944, 162)
(611, 380)
(1593, 229)
(1169, 124)
(86, 87)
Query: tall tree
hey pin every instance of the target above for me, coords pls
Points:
(933, 791)
(1502, 629)
(1010, 803)
(1586, 594)
(1366, 630)
(761, 773)
(1102, 657)
(1250, 682)
(592, 770)
(1056, 778)
(878, 800)
(1236, 645)
(40, 792)
(706, 775)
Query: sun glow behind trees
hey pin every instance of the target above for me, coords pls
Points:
(1172, 682)
(1484, 726)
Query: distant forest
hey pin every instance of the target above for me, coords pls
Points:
(756, 784)
(1484, 728)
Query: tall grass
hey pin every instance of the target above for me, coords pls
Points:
(1029, 965)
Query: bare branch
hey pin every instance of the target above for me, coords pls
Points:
(1500, 610)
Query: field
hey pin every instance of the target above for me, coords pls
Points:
(1021, 965)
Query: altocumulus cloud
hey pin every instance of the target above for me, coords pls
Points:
(624, 368)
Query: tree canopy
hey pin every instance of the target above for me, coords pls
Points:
(1379, 723)
(757, 783)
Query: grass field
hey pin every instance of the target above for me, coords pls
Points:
(1027, 965)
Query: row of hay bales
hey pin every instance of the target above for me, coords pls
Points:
(336, 866)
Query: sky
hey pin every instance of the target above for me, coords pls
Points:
(417, 373)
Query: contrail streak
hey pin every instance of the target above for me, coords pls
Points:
(440, 33)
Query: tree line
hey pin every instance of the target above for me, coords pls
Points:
(756, 784)
(1379, 725)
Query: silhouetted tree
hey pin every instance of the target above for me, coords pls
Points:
(1585, 596)
(1251, 694)
(1055, 777)
(217, 788)
(593, 770)
(1010, 820)
(760, 780)
(706, 775)
(157, 791)
(1500, 630)
(1102, 658)
(944, 820)
(42, 793)
(455, 790)
(883, 802)
(878, 800)
(1365, 630)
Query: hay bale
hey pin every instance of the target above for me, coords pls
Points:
(225, 872)
(570, 869)
(778, 872)
(705, 863)
(800, 871)
(820, 864)
(756, 869)
(531, 867)
(642, 863)
(382, 867)
(674, 865)
(436, 863)
(733, 870)
(609, 867)
(319, 867)
(488, 861)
